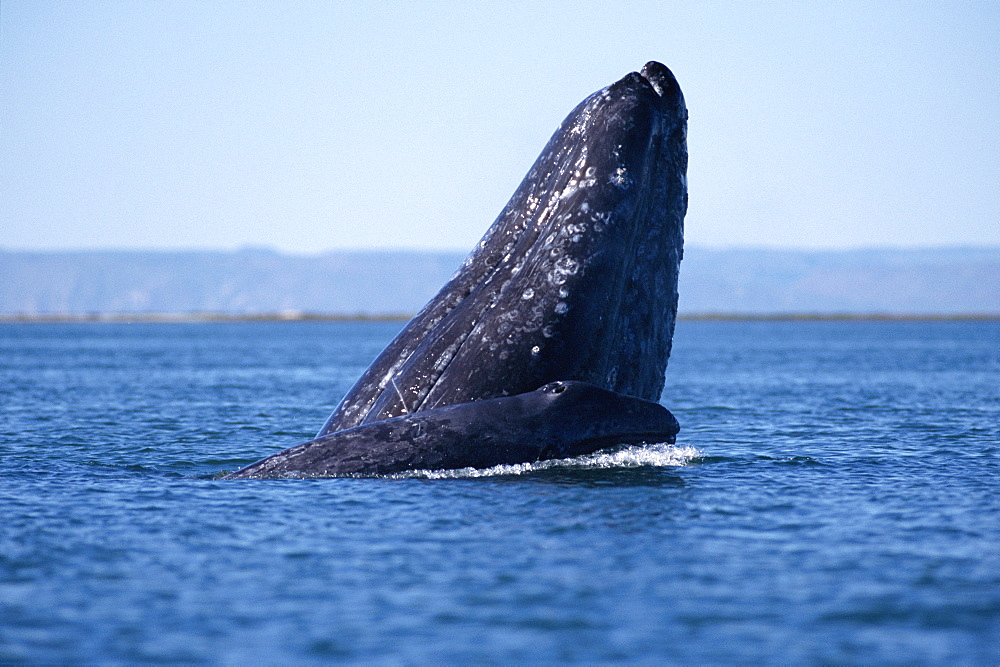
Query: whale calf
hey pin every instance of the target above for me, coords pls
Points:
(558, 420)
(575, 281)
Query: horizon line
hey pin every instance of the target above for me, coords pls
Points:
(271, 250)
(302, 316)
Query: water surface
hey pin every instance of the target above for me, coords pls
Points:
(833, 497)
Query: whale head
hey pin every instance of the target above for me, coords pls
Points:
(575, 280)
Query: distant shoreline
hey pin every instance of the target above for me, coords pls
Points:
(263, 286)
(182, 318)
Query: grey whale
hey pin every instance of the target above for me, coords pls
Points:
(575, 281)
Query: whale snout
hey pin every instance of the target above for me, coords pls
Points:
(661, 79)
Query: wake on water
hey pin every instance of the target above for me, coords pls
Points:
(657, 455)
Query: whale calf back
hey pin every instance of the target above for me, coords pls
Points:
(558, 420)
(575, 280)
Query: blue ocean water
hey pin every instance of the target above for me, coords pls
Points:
(834, 497)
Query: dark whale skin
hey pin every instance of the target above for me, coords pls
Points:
(552, 338)
(558, 420)
(575, 280)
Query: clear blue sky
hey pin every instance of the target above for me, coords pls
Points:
(308, 126)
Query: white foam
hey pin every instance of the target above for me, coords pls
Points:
(658, 455)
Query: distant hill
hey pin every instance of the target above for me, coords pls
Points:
(242, 282)
(950, 281)
(946, 281)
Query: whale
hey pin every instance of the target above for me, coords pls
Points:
(558, 420)
(575, 281)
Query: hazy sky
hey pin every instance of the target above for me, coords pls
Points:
(308, 126)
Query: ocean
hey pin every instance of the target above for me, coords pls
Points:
(833, 497)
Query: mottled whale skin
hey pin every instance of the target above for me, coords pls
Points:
(552, 338)
(575, 280)
(558, 420)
